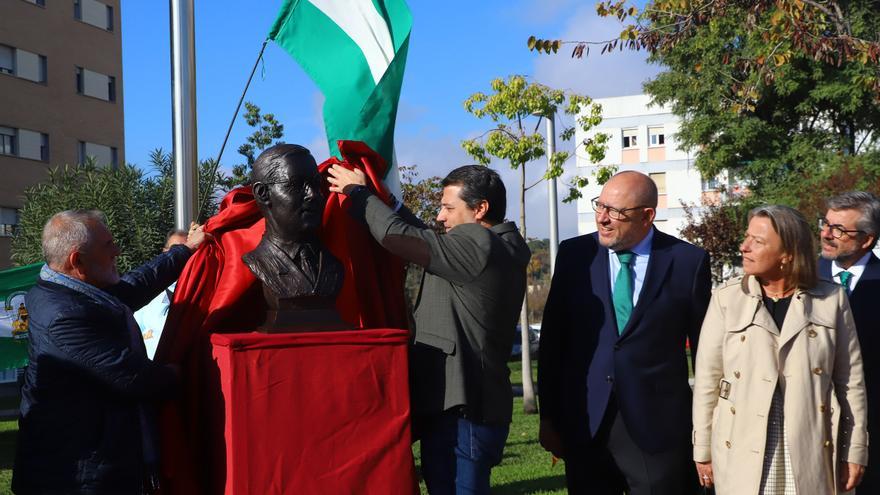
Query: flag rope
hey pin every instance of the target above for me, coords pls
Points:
(247, 85)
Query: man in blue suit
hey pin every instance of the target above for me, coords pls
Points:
(848, 234)
(613, 374)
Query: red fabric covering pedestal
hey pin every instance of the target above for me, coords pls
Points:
(316, 413)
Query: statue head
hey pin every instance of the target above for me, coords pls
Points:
(287, 188)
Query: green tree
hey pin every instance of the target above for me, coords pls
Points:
(121, 193)
(161, 185)
(512, 105)
(830, 31)
(267, 132)
(767, 89)
(422, 197)
(139, 208)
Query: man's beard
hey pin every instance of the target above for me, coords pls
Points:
(840, 255)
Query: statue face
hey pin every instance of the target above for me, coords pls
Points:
(293, 201)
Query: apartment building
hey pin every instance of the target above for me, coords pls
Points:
(643, 138)
(60, 94)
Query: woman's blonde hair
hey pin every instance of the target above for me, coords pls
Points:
(798, 241)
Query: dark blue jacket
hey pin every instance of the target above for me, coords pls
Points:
(583, 359)
(864, 302)
(79, 430)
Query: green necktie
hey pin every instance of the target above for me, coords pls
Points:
(845, 277)
(623, 290)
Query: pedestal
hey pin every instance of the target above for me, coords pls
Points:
(316, 413)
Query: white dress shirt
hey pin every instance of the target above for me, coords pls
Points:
(151, 318)
(857, 270)
(642, 252)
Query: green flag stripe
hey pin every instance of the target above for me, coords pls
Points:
(355, 106)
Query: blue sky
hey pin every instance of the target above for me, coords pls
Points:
(456, 48)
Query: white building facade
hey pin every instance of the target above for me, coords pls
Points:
(643, 138)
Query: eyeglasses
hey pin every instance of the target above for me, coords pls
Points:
(296, 183)
(614, 213)
(837, 231)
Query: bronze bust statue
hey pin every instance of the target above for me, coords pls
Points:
(300, 278)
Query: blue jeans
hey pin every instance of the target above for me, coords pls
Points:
(458, 454)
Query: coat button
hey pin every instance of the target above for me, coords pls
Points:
(812, 333)
(736, 374)
(822, 408)
(742, 338)
(817, 371)
(609, 379)
(827, 443)
(732, 410)
(727, 443)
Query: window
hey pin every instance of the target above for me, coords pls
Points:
(8, 221)
(94, 13)
(101, 155)
(7, 59)
(109, 18)
(8, 141)
(712, 184)
(44, 147)
(44, 69)
(656, 136)
(660, 180)
(95, 84)
(630, 138)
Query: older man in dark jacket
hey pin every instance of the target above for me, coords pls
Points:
(86, 425)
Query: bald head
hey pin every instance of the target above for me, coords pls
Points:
(625, 210)
(636, 186)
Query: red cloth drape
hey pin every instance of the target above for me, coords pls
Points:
(295, 425)
(217, 293)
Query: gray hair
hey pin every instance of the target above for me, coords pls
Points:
(866, 203)
(66, 232)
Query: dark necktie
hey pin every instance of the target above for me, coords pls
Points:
(845, 278)
(623, 290)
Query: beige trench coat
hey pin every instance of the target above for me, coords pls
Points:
(741, 356)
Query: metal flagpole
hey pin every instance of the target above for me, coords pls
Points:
(551, 193)
(183, 111)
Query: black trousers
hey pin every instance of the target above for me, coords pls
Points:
(613, 464)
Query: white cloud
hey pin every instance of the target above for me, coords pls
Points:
(597, 75)
(318, 144)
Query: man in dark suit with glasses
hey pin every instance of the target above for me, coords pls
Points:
(613, 375)
(848, 233)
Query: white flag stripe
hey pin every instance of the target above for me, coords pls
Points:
(363, 24)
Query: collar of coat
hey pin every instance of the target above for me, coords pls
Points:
(802, 312)
(752, 288)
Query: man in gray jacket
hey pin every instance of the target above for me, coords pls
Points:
(465, 319)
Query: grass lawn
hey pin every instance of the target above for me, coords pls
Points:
(526, 468)
(8, 433)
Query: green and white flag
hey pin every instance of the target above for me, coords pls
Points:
(355, 51)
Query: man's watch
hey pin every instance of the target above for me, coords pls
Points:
(357, 189)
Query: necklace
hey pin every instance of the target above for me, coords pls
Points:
(779, 295)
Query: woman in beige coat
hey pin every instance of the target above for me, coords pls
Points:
(776, 349)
